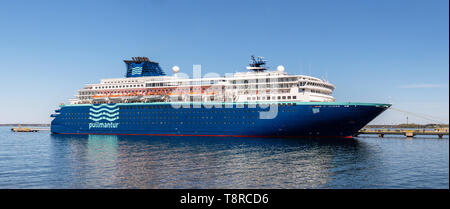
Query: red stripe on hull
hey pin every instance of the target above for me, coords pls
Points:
(347, 137)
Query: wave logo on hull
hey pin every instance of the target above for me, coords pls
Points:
(104, 112)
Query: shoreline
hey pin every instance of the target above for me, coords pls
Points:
(367, 126)
(26, 124)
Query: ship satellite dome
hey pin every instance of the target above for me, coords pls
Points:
(280, 68)
(176, 69)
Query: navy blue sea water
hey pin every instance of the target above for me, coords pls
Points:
(42, 160)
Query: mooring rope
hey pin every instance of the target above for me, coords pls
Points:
(423, 116)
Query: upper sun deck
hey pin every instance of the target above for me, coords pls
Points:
(148, 75)
(235, 79)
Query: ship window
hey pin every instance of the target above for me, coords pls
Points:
(284, 97)
(289, 97)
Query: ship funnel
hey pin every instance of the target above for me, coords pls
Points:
(142, 66)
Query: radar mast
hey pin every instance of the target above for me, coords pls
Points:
(258, 64)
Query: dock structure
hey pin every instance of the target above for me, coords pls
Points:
(20, 129)
(409, 133)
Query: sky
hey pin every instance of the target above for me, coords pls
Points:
(386, 51)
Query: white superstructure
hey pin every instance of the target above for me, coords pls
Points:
(258, 84)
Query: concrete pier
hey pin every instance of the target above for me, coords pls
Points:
(404, 132)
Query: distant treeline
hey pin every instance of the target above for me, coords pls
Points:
(410, 125)
(26, 124)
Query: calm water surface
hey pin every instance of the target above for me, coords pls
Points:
(42, 160)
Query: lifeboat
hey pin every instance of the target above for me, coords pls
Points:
(133, 98)
(152, 98)
(100, 99)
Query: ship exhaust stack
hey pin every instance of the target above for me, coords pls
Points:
(142, 66)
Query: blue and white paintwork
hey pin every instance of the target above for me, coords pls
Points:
(292, 120)
(258, 103)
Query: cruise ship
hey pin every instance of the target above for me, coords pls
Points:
(257, 102)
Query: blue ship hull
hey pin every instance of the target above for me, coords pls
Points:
(291, 119)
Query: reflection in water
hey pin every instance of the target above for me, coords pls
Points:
(206, 162)
(102, 156)
(42, 160)
(85, 161)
